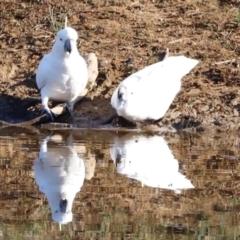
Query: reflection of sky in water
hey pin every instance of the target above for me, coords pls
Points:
(149, 160)
(59, 173)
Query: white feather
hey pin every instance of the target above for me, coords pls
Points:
(62, 75)
(148, 93)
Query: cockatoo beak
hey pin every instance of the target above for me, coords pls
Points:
(63, 205)
(67, 46)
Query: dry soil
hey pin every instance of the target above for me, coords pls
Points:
(126, 36)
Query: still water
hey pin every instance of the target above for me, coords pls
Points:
(82, 184)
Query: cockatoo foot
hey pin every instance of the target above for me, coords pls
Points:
(69, 109)
(50, 114)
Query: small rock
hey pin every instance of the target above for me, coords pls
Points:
(203, 108)
(130, 61)
(235, 112)
(97, 41)
(102, 63)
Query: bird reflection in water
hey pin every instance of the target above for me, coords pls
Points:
(149, 160)
(59, 173)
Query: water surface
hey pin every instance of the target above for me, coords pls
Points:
(118, 185)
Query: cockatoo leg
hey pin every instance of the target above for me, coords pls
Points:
(46, 109)
(70, 107)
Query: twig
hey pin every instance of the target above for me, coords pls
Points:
(227, 61)
(178, 40)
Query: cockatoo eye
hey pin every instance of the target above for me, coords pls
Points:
(60, 39)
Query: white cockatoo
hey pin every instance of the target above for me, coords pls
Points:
(149, 160)
(59, 173)
(148, 93)
(62, 74)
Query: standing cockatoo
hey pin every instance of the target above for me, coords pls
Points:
(62, 74)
